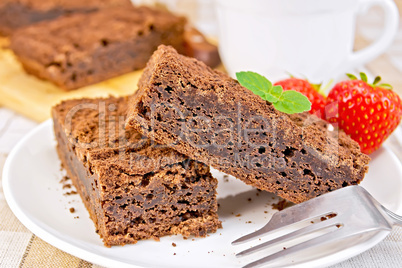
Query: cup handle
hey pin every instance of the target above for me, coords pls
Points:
(390, 29)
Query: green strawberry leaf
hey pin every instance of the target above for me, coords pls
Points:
(285, 101)
(376, 80)
(363, 76)
(386, 86)
(351, 76)
(293, 102)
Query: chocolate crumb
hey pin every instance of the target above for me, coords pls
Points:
(338, 226)
(76, 217)
(323, 218)
(265, 212)
(284, 247)
(72, 210)
(71, 193)
(67, 186)
(174, 244)
(248, 221)
(174, 253)
(238, 215)
(249, 199)
(282, 204)
(312, 221)
(329, 216)
(64, 179)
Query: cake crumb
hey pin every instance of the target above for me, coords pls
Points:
(67, 186)
(71, 193)
(238, 215)
(282, 204)
(331, 215)
(265, 211)
(72, 210)
(64, 179)
(248, 221)
(338, 226)
(174, 244)
(76, 217)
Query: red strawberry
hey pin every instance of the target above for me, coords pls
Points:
(367, 112)
(309, 90)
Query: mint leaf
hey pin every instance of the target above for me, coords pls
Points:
(293, 102)
(276, 93)
(284, 101)
(258, 84)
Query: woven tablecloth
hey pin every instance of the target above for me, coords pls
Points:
(20, 248)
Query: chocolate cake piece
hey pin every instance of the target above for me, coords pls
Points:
(208, 116)
(15, 14)
(132, 189)
(84, 49)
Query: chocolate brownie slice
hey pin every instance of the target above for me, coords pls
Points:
(15, 14)
(208, 116)
(83, 49)
(132, 189)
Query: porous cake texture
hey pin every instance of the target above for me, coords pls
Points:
(15, 14)
(208, 116)
(133, 189)
(83, 49)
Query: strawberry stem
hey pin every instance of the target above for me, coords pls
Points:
(375, 84)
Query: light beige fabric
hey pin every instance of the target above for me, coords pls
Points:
(20, 248)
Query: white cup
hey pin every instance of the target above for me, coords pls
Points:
(305, 38)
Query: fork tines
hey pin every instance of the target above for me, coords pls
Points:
(324, 228)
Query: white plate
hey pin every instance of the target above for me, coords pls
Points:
(33, 191)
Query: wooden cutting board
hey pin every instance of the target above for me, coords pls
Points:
(34, 98)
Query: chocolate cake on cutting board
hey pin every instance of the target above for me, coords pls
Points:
(15, 14)
(132, 189)
(113, 42)
(208, 116)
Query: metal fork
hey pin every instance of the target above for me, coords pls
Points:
(341, 217)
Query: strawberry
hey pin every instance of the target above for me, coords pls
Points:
(311, 91)
(367, 112)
